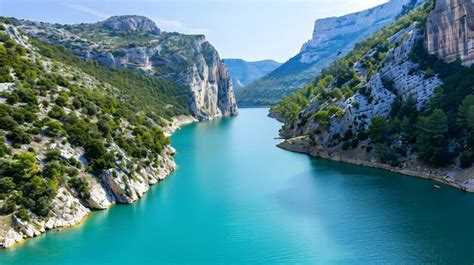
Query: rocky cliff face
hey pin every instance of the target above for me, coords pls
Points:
(332, 38)
(136, 42)
(341, 33)
(397, 77)
(389, 82)
(450, 31)
(211, 86)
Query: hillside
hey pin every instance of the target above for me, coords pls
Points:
(79, 135)
(135, 42)
(244, 73)
(332, 39)
(391, 104)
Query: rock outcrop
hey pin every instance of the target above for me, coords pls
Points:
(450, 31)
(66, 211)
(343, 32)
(132, 23)
(135, 42)
(398, 71)
(211, 86)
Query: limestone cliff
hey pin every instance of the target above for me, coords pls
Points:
(136, 42)
(450, 31)
(332, 38)
(343, 32)
(389, 82)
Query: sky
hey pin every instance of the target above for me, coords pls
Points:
(247, 29)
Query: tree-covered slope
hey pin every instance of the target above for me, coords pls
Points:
(389, 102)
(75, 135)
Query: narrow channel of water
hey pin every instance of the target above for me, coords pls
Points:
(236, 198)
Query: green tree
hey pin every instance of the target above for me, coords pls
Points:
(463, 110)
(470, 118)
(432, 141)
(379, 130)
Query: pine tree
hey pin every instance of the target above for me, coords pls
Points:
(432, 141)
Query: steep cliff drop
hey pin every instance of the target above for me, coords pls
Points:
(136, 42)
(450, 31)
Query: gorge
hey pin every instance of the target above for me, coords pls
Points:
(246, 201)
(94, 115)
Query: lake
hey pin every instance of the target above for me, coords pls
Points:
(238, 199)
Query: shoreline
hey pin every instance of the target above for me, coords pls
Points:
(21, 231)
(299, 145)
(178, 122)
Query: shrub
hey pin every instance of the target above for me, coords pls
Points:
(18, 136)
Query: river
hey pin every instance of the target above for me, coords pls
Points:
(236, 198)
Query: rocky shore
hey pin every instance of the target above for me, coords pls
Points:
(454, 177)
(67, 210)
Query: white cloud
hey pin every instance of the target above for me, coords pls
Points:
(178, 26)
(88, 10)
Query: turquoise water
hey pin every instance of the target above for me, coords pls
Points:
(236, 198)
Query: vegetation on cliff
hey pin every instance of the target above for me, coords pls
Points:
(63, 121)
(439, 132)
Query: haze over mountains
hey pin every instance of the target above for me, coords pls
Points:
(332, 38)
(244, 72)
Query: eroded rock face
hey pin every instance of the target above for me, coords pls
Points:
(66, 210)
(398, 76)
(330, 33)
(450, 31)
(211, 85)
(132, 23)
(189, 61)
(332, 38)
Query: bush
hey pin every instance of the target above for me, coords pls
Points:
(80, 185)
(53, 155)
(18, 136)
(53, 129)
(61, 101)
(23, 214)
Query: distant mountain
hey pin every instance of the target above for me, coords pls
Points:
(244, 73)
(332, 39)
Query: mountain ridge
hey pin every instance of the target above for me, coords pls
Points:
(332, 38)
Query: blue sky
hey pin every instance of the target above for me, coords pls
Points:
(247, 29)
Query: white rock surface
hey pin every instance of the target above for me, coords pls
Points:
(329, 31)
